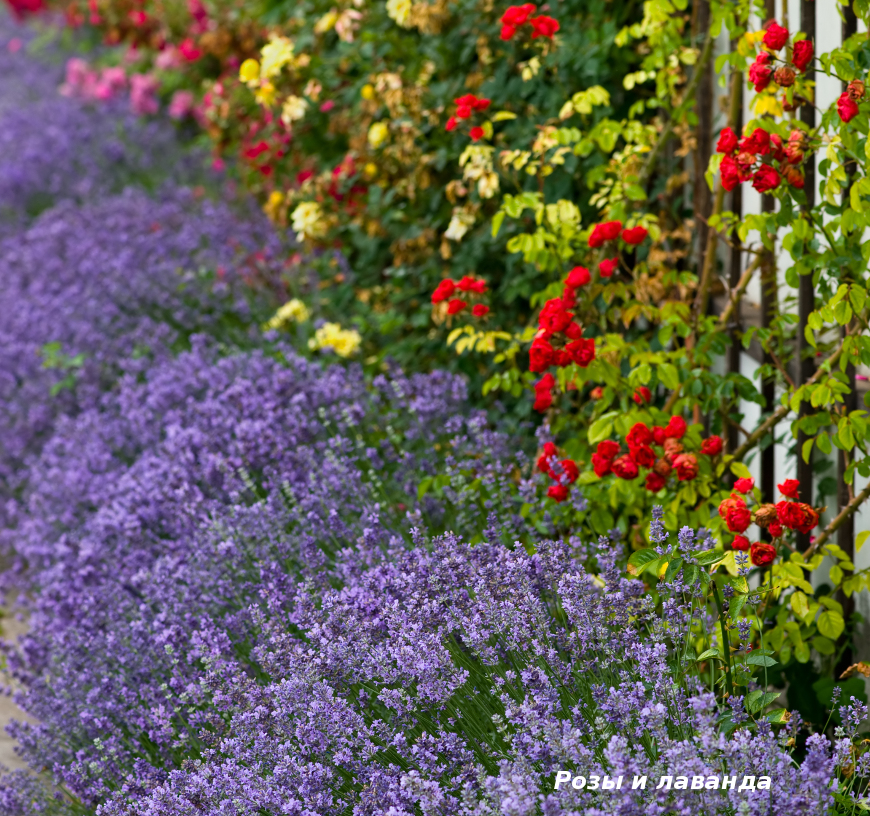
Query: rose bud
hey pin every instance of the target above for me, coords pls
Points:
(784, 76)
(855, 90)
(762, 554)
(663, 468)
(673, 448)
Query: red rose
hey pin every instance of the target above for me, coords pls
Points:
(642, 456)
(712, 446)
(794, 150)
(554, 316)
(507, 31)
(775, 37)
(639, 435)
(642, 396)
(765, 179)
(608, 231)
(481, 104)
(686, 466)
(455, 306)
(794, 177)
(762, 554)
(740, 543)
(479, 310)
(463, 112)
(601, 464)
(663, 468)
(452, 122)
(776, 147)
(607, 448)
(784, 76)
(444, 290)
(570, 470)
(476, 133)
(744, 485)
(789, 488)
(582, 351)
(809, 518)
(624, 468)
(607, 267)
(517, 15)
(847, 108)
(676, 428)
(543, 399)
(775, 529)
(469, 284)
(543, 26)
(541, 355)
(635, 236)
(758, 142)
(574, 332)
(549, 451)
(729, 173)
(563, 358)
(796, 516)
(596, 393)
(736, 513)
(654, 482)
(569, 297)
(760, 72)
(578, 276)
(727, 143)
(189, 51)
(658, 435)
(673, 447)
(558, 492)
(802, 54)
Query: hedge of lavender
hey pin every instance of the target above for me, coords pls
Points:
(239, 602)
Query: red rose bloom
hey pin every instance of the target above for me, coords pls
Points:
(541, 355)
(452, 122)
(476, 133)
(809, 518)
(570, 470)
(582, 351)
(642, 396)
(846, 107)
(624, 468)
(727, 143)
(549, 451)
(558, 492)
(554, 316)
(740, 543)
(794, 177)
(569, 297)
(796, 516)
(479, 310)
(776, 147)
(789, 488)
(463, 112)
(736, 513)
(444, 290)
(577, 277)
(744, 485)
(775, 37)
(654, 482)
(543, 26)
(676, 428)
(573, 332)
(607, 267)
(758, 142)
(775, 529)
(642, 456)
(607, 448)
(507, 31)
(608, 231)
(729, 173)
(596, 393)
(517, 15)
(469, 284)
(639, 435)
(455, 306)
(658, 435)
(601, 464)
(760, 72)
(686, 466)
(802, 55)
(765, 179)
(712, 446)
(635, 236)
(762, 554)
(543, 399)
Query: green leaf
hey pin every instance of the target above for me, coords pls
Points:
(760, 660)
(601, 428)
(757, 700)
(640, 560)
(740, 470)
(497, 220)
(831, 624)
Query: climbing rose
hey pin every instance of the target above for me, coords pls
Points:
(736, 513)
(469, 284)
(507, 31)
(558, 492)
(624, 468)
(789, 488)
(775, 37)
(846, 107)
(793, 176)
(727, 143)
(607, 448)
(802, 54)
(765, 514)
(607, 267)
(570, 470)
(479, 310)
(601, 464)
(760, 71)
(686, 466)
(676, 428)
(765, 179)
(740, 543)
(455, 306)
(784, 76)
(654, 482)
(729, 173)
(796, 516)
(517, 15)
(476, 133)
(548, 453)
(577, 277)
(554, 316)
(608, 231)
(635, 236)
(775, 529)
(642, 395)
(856, 90)
(642, 456)
(543, 26)
(639, 435)
(762, 554)
(541, 355)
(744, 485)
(444, 290)
(658, 433)
(582, 351)
(663, 468)
(543, 393)
(712, 446)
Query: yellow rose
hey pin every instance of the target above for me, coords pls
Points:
(368, 91)
(379, 132)
(249, 71)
